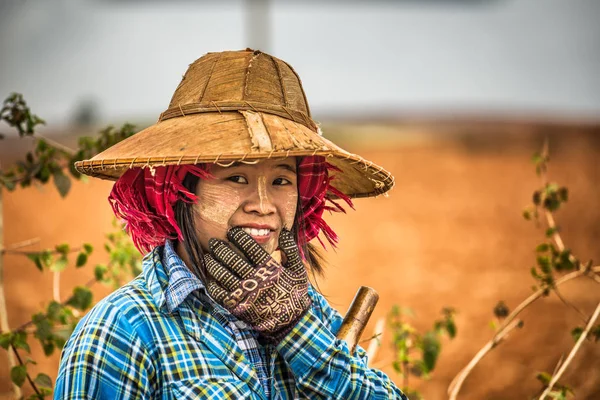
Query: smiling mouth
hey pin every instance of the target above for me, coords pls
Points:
(256, 232)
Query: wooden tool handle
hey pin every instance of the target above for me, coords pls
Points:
(357, 316)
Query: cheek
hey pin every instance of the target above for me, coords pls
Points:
(288, 211)
(216, 205)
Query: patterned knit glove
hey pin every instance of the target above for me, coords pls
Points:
(269, 296)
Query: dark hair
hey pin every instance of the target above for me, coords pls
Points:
(184, 215)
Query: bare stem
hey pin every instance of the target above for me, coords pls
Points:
(19, 245)
(4, 326)
(457, 382)
(54, 143)
(507, 326)
(571, 305)
(28, 376)
(375, 343)
(574, 351)
(56, 286)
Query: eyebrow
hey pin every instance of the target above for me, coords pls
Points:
(287, 167)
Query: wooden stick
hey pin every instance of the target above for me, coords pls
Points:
(357, 316)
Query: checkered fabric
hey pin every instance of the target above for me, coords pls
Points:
(161, 337)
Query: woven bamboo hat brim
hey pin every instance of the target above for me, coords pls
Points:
(242, 106)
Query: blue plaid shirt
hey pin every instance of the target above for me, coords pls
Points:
(162, 337)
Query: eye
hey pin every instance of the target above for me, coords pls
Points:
(237, 179)
(281, 182)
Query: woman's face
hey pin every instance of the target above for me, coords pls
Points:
(260, 198)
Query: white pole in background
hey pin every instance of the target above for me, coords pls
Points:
(258, 27)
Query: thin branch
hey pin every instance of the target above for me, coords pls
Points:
(19, 245)
(54, 143)
(29, 323)
(571, 305)
(376, 339)
(457, 382)
(56, 286)
(574, 351)
(507, 325)
(74, 250)
(27, 373)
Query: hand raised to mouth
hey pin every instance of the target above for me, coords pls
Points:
(269, 296)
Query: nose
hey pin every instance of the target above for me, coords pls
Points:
(259, 201)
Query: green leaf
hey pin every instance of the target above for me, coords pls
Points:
(576, 333)
(81, 260)
(53, 311)
(62, 183)
(81, 299)
(6, 340)
(36, 258)
(63, 248)
(43, 380)
(544, 263)
(544, 377)
(43, 327)
(501, 310)
(431, 349)
(99, 272)
(563, 194)
(60, 264)
(18, 374)
(88, 248)
(541, 248)
(451, 328)
(20, 341)
(48, 348)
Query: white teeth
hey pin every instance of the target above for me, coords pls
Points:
(256, 232)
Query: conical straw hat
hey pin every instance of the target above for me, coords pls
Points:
(242, 106)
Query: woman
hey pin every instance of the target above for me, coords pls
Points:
(225, 193)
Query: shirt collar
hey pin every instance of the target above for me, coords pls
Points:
(168, 279)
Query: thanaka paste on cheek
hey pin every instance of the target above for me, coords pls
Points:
(289, 210)
(216, 205)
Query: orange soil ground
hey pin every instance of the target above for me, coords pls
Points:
(449, 234)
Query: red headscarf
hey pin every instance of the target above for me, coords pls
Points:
(144, 198)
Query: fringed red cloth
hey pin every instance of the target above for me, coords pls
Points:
(316, 196)
(144, 200)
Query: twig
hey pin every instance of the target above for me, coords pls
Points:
(571, 355)
(27, 373)
(4, 325)
(74, 250)
(54, 143)
(569, 304)
(378, 335)
(56, 286)
(19, 245)
(457, 382)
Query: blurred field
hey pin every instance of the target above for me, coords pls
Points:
(449, 234)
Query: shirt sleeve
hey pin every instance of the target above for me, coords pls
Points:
(104, 359)
(323, 366)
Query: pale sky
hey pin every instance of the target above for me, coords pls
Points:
(522, 57)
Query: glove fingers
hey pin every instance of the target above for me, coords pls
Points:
(226, 256)
(256, 254)
(216, 292)
(221, 274)
(288, 245)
